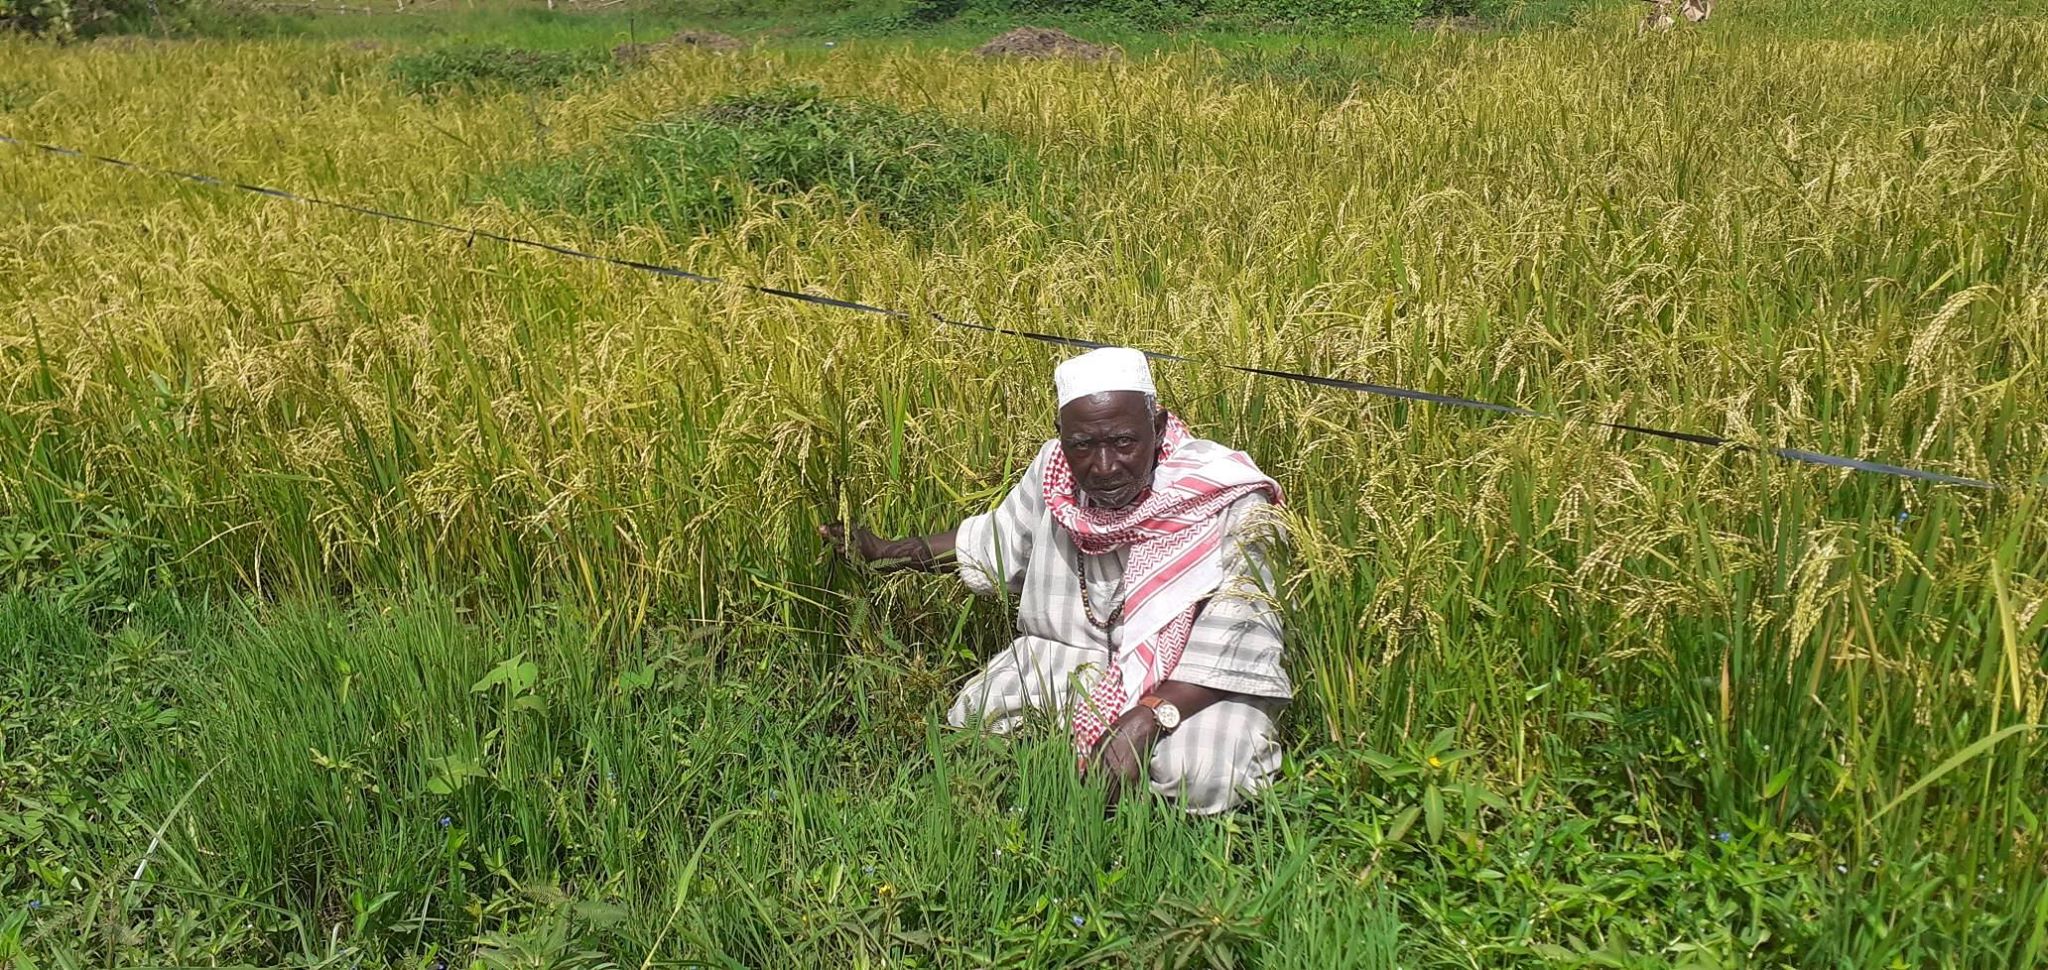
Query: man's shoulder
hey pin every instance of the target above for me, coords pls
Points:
(1215, 454)
(1033, 479)
(1036, 472)
(1255, 513)
(1210, 450)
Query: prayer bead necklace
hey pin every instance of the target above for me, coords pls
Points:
(1088, 602)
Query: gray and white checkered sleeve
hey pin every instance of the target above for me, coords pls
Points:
(994, 548)
(1237, 643)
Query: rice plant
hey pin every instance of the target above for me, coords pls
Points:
(383, 597)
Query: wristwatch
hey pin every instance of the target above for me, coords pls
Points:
(1163, 711)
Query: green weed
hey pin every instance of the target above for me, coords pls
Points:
(1324, 73)
(477, 68)
(668, 796)
(18, 96)
(688, 174)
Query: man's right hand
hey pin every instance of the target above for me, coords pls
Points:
(859, 542)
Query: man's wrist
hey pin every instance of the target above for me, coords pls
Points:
(916, 552)
(1143, 720)
(898, 552)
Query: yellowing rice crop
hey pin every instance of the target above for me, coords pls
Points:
(280, 485)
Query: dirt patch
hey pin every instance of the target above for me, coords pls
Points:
(1043, 42)
(702, 40)
(1464, 24)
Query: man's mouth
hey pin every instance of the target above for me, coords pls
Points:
(1114, 498)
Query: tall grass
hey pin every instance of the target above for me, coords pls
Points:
(475, 67)
(1829, 242)
(683, 173)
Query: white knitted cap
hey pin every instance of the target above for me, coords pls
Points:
(1101, 370)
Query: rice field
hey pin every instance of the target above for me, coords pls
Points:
(372, 596)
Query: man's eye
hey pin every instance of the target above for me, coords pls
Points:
(1124, 444)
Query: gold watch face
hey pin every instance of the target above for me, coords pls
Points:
(1168, 715)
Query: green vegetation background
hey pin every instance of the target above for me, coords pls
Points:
(347, 658)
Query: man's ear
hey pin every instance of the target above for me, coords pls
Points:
(1159, 423)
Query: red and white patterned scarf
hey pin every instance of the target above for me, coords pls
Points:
(1175, 536)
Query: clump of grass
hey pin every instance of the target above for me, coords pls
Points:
(441, 786)
(477, 68)
(693, 171)
(17, 95)
(1328, 74)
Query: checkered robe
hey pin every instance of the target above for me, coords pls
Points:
(1018, 552)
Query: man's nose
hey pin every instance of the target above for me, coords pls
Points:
(1102, 464)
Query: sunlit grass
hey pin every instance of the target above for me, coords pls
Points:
(1827, 242)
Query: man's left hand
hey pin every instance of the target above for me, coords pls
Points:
(1124, 754)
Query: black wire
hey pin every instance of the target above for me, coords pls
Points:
(1317, 380)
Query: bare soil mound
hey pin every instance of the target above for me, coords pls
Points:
(703, 40)
(1042, 42)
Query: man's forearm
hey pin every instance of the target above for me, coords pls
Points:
(1188, 698)
(938, 547)
(923, 552)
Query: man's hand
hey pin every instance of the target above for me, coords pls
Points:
(859, 542)
(913, 552)
(1123, 757)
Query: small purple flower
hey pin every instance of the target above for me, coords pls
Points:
(445, 822)
(35, 904)
(867, 870)
(1079, 920)
(1722, 836)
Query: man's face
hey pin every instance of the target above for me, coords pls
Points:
(1111, 441)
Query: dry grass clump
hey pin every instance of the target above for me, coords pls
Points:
(1042, 42)
(691, 40)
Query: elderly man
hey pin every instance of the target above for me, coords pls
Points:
(1134, 553)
